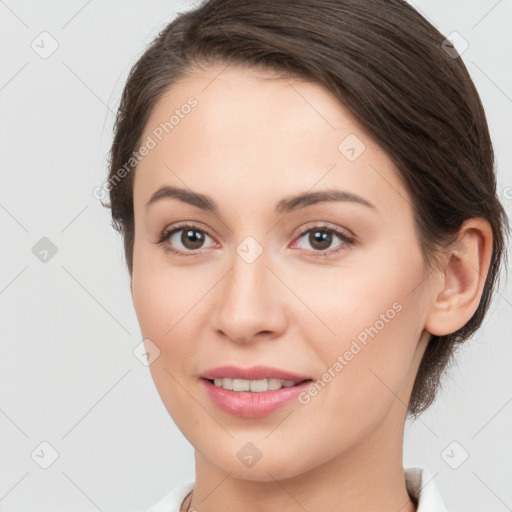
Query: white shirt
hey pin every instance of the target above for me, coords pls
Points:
(419, 483)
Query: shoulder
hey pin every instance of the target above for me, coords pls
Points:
(172, 501)
(422, 487)
(419, 482)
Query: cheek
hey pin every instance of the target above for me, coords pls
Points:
(375, 319)
(164, 306)
(171, 305)
(162, 294)
(376, 298)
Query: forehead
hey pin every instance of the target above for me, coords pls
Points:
(252, 132)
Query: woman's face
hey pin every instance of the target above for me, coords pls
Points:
(262, 279)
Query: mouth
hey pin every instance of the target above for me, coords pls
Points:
(252, 398)
(256, 385)
(252, 392)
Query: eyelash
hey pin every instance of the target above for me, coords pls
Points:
(348, 241)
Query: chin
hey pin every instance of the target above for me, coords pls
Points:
(246, 461)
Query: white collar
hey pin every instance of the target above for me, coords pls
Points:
(419, 483)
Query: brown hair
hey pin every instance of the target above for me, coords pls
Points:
(391, 68)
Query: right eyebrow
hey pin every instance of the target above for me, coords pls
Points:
(194, 198)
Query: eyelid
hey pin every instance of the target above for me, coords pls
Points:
(178, 226)
(327, 226)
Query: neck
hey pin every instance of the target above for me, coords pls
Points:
(368, 477)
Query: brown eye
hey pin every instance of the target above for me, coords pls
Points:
(319, 239)
(192, 238)
(184, 239)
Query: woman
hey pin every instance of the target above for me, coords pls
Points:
(307, 198)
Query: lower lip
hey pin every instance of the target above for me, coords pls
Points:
(252, 404)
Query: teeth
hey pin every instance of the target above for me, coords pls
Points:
(256, 386)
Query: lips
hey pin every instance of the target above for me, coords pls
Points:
(268, 396)
(252, 373)
(247, 404)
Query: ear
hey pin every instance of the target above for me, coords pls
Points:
(457, 292)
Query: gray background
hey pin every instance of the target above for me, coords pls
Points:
(68, 328)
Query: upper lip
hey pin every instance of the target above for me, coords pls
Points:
(252, 373)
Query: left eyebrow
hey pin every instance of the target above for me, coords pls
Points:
(308, 198)
(285, 205)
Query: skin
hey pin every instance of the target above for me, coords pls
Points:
(252, 140)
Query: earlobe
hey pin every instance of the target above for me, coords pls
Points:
(463, 277)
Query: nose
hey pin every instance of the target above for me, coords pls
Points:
(250, 304)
